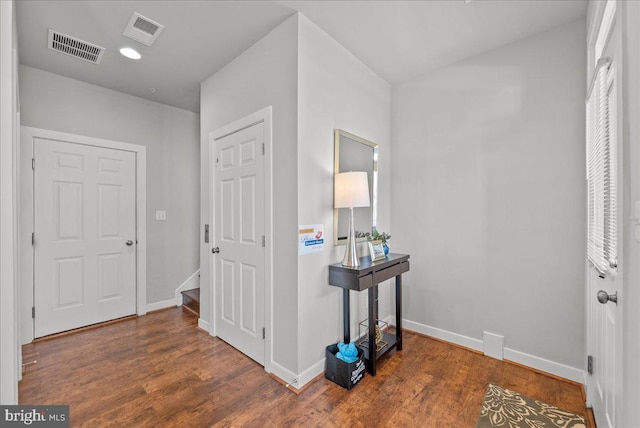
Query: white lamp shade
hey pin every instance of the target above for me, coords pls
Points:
(351, 190)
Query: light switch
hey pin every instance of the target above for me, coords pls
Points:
(161, 215)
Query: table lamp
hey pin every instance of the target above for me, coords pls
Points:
(351, 191)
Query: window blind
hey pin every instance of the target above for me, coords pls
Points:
(602, 171)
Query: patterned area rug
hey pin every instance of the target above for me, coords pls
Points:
(504, 408)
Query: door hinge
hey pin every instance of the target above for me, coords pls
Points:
(589, 364)
(33, 164)
(33, 312)
(264, 333)
(263, 241)
(33, 238)
(262, 148)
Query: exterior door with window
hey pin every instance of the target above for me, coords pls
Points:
(604, 274)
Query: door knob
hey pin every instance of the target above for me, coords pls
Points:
(129, 242)
(215, 250)
(603, 297)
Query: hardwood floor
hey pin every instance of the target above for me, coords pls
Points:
(160, 370)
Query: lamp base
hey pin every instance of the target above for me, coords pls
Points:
(350, 258)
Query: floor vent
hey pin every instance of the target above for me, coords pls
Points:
(142, 29)
(72, 46)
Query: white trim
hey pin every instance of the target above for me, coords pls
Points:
(547, 366)
(493, 345)
(595, 13)
(265, 116)
(458, 339)
(309, 374)
(9, 310)
(212, 239)
(284, 374)
(630, 13)
(161, 305)
(391, 320)
(16, 201)
(141, 211)
(603, 34)
(25, 223)
(298, 381)
(542, 364)
(190, 283)
(204, 325)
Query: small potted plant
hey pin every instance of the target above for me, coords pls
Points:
(378, 236)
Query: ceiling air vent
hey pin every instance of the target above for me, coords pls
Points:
(142, 29)
(75, 47)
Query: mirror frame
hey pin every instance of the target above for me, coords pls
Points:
(337, 134)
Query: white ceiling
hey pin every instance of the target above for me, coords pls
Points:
(398, 40)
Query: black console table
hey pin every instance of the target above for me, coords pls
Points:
(367, 277)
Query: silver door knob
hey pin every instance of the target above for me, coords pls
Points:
(129, 242)
(603, 297)
(215, 250)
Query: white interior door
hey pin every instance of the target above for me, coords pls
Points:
(239, 236)
(85, 235)
(604, 320)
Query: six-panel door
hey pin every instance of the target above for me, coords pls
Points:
(85, 235)
(239, 231)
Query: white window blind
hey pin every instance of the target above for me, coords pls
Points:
(602, 170)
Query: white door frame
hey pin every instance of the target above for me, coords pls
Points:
(25, 226)
(10, 355)
(264, 116)
(630, 18)
(607, 18)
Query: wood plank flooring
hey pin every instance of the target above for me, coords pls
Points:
(160, 370)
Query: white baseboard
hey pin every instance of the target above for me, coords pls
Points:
(493, 345)
(318, 368)
(545, 365)
(538, 363)
(391, 319)
(542, 364)
(160, 305)
(458, 339)
(283, 374)
(204, 325)
(189, 284)
(309, 374)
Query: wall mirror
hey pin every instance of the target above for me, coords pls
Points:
(352, 153)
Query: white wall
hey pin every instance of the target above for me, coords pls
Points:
(488, 195)
(171, 135)
(335, 90)
(9, 149)
(264, 75)
(314, 86)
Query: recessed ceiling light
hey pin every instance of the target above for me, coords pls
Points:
(130, 53)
